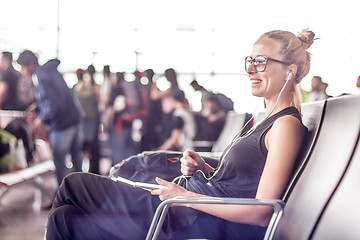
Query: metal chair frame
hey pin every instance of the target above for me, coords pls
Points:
(163, 208)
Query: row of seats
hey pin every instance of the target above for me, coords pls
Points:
(321, 178)
(233, 124)
(31, 175)
(321, 199)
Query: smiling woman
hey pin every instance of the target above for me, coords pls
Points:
(295, 61)
(255, 165)
(190, 39)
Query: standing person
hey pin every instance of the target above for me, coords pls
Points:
(167, 101)
(182, 126)
(87, 93)
(215, 116)
(58, 109)
(9, 79)
(256, 165)
(317, 92)
(138, 110)
(105, 92)
(17, 94)
(121, 142)
(152, 126)
(105, 89)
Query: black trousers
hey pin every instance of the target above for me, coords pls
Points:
(89, 206)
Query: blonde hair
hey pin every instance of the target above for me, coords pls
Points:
(294, 49)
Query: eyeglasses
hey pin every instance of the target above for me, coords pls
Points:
(259, 63)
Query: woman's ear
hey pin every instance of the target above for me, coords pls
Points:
(291, 73)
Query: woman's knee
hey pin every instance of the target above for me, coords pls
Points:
(58, 225)
(69, 185)
(69, 222)
(74, 177)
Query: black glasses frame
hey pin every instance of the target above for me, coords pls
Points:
(250, 62)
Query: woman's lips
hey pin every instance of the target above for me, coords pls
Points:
(255, 82)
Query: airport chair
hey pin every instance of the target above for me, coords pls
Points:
(340, 218)
(233, 125)
(318, 181)
(313, 180)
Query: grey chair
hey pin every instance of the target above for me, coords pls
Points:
(340, 218)
(233, 125)
(323, 160)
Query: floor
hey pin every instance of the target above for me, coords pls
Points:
(21, 213)
(21, 216)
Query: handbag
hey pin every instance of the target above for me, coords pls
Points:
(145, 166)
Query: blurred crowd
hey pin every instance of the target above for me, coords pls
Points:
(136, 115)
(131, 115)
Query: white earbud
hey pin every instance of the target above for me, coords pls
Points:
(289, 76)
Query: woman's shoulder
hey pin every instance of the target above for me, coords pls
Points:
(288, 124)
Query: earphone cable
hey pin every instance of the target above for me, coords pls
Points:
(235, 139)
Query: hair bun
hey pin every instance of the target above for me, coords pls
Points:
(306, 37)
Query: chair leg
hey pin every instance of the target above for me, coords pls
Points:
(157, 222)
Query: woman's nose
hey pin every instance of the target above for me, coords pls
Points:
(251, 69)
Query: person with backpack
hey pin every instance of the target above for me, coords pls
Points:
(57, 109)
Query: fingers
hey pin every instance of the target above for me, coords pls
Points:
(159, 191)
(190, 153)
(188, 171)
(190, 162)
(162, 182)
(188, 159)
(170, 191)
(163, 193)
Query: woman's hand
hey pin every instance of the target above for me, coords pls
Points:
(171, 190)
(191, 162)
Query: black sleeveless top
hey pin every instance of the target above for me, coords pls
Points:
(242, 166)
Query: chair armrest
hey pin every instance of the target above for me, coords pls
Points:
(163, 208)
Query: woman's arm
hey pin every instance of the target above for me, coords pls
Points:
(283, 141)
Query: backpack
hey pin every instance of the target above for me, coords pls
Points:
(145, 166)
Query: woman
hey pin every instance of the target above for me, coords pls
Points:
(167, 102)
(86, 92)
(166, 99)
(182, 124)
(122, 145)
(257, 165)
